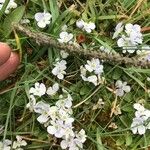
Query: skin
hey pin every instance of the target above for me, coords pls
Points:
(9, 61)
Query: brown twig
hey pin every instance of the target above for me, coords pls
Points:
(34, 140)
(139, 2)
(144, 29)
(43, 39)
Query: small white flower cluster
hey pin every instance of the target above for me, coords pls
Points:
(60, 65)
(141, 121)
(122, 88)
(129, 38)
(88, 27)
(16, 145)
(11, 5)
(57, 118)
(43, 19)
(95, 69)
(5, 145)
(59, 69)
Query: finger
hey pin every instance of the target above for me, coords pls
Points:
(10, 66)
(5, 52)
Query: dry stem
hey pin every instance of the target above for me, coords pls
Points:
(43, 39)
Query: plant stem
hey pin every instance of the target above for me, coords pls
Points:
(116, 58)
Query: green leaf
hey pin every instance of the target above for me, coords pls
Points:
(38, 2)
(127, 107)
(134, 78)
(54, 9)
(128, 139)
(117, 73)
(13, 17)
(120, 141)
(84, 90)
(99, 141)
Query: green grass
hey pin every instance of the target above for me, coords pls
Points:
(36, 66)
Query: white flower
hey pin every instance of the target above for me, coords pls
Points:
(141, 111)
(19, 143)
(43, 109)
(95, 69)
(138, 107)
(83, 73)
(148, 79)
(59, 69)
(126, 44)
(65, 102)
(64, 54)
(11, 5)
(94, 65)
(65, 37)
(43, 19)
(118, 30)
(134, 33)
(141, 121)
(74, 142)
(32, 103)
(53, 90)
(132, 28)
(39, 89)
(53, 112)
(131, 38)
(137, 126)
(5, 145)
(121, 87)
(60, 129)
(81, 136)
(88, 27)
(80, 23)
(93, 79)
